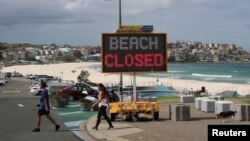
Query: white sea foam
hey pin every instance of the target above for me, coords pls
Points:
(175, 71)
(207, 75)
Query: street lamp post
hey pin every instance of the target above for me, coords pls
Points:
(120, 12)
(120, 23)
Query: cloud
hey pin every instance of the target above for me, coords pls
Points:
(72, 4)
(248, 26)
(16, 12)
(183, 19)
(38, 13)
(145, 6)
(47, 12)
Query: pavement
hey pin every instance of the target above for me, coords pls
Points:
(72, 116)
(163, 129)
(18, 115)
(104, 134)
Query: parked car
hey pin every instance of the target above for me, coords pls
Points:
(6, 80)
(35, 89)
(75, 90)
(2, 82)
(30, 76)
(8, 74)
(16, 74)
(3, 79)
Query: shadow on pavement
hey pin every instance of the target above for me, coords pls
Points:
(202, 118)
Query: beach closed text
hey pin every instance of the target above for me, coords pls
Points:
(132, 53)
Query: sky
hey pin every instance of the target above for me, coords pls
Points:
(81, 22)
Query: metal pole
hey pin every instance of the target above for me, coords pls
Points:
(135, 98)
(120, 12)
(157, 78)
(120, 23)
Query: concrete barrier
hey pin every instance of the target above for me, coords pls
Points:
(223, 106)
(149, 99)
(207, 105)
(187, 99)
(243, 112)
(198, 103)
(217, 98)
(180, 112)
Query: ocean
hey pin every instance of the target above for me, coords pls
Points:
(215, 72)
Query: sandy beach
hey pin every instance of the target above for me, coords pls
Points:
(65, 71)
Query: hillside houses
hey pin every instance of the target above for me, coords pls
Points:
(182, 51)
(179, 51)
(49, 53)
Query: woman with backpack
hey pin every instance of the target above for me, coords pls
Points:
(102, 104)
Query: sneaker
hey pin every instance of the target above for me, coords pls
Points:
(57, 127)
(36, 130)
(111, 127)
(94, 128)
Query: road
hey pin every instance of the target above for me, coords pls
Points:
(18, 114)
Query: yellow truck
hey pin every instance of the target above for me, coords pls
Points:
(131, 110)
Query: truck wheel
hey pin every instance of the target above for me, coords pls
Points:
(135, 116)
(156, 115)
(113, 116)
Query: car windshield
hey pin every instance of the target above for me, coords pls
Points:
(81, 86)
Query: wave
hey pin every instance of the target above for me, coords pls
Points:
(175, 71)
(207, 75)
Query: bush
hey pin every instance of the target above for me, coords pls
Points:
(65, 96)
(83, 100)
(83, 76)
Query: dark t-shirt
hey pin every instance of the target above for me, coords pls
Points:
(44, 96)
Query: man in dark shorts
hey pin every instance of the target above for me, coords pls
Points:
(44, 109)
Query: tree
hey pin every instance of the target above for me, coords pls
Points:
(77, 53)
(230, 52)
(83, 76)
(67, 58)
(1, 56)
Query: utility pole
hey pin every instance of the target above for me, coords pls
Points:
(120, 12)
(120, 23)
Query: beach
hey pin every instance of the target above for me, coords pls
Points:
(70, 72)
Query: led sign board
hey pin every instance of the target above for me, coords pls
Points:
(134, 52)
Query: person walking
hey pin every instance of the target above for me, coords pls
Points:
(102, 104)
(44, 109)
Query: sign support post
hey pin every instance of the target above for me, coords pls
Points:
(134, 96)
(120, 23)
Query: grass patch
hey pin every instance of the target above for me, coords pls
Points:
(238, 100)
(176, 99)
(168, 99)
